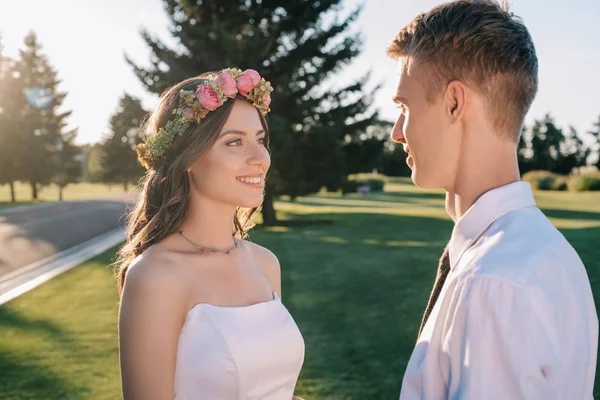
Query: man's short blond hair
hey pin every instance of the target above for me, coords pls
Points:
(480, 43)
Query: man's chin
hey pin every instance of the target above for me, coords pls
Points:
(422, 182)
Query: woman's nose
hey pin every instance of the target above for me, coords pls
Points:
(259, 155)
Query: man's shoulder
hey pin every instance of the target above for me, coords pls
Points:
(522, 246)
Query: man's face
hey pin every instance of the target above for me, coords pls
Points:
(423, 128)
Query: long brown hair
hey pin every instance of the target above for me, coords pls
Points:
(163, 202)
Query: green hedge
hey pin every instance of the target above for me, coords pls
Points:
(583, 183)
(352, 186)
(349, 186)
(544, 180)
(376, 185)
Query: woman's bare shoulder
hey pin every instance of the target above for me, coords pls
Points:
(265, 256)
(267, 261)
(155, 273)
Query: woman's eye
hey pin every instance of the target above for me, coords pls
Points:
(238, 142)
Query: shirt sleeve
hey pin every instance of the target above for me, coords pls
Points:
(496, 345)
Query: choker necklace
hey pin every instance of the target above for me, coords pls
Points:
(211, 249)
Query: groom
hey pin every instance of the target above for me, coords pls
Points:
(511, 315)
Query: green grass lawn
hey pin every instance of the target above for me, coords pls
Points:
(356, 288)
(50, 193)
(59, 341)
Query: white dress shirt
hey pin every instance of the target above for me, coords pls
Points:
(515, 318)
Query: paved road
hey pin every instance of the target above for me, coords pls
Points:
(31, 233)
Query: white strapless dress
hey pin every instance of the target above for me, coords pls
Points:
(238, 353)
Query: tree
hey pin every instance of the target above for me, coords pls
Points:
(595, 132)
(11, 140)
(49, 152)
(524, 152)
(366, 152)
(574, 153)
(298, 45)
(68, 161)
(66, 155)
(394, 160)
(546, 147)
(119, 161)
(92, 162)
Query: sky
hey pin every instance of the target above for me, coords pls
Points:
(86, 41)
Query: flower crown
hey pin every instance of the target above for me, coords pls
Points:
(194, 106)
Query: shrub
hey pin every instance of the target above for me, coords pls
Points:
(352, 186)
(544, 180)
(376, 185)
(583, 183)
(349, 186)
(560, 183)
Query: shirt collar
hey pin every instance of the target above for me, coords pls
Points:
(487, 208)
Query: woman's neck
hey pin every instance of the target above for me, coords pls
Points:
(209, 223)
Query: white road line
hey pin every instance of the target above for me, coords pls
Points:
(33, 275)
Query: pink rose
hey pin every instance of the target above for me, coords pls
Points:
(188, 113)
(255, 76)
(207, 97)
(266, 99)
(227, 84)
(247, 80)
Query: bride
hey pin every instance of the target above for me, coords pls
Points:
(201, 315)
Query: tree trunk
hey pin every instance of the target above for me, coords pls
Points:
(13, 198)
(125, 184)
(34, 190)
(60, 192)
(268, 210)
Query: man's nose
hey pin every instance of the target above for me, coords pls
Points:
(397, 133)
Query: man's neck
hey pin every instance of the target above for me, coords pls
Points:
(475, 179)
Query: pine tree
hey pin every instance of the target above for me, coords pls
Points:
(68, 166)
(119, 160)
(4, 157)
(298, 45)
(49, 153)
(367, 151)
(595, 132)
(547, 148)
(92, 162)
(11, 140)
(546, 140)
(523, 151)
(66, 155)
(574, 153)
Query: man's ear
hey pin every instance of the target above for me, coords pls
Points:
(454, 98)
